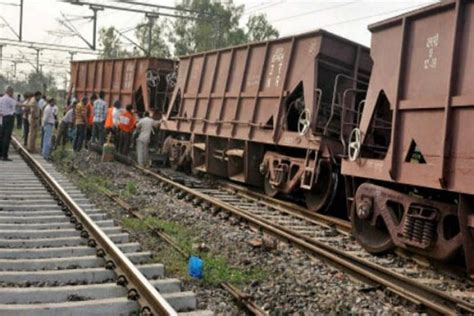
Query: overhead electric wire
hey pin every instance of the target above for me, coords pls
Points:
(314, 11)
(376, 15)
(256, 5)
(164, 7)
(10, 4)
(379, 14)
(264, 7)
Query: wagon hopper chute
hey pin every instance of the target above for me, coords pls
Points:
(414, 141)
(269, 113)
(146, 83)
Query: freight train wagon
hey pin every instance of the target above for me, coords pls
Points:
(146, 83)
(410, 165)
(269, 113)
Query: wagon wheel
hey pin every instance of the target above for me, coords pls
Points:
(375, 238)
(321, 196)
(303, 122)
(171, 79)
(152, 78)
(354, 144)
(174, 164)
(168, 151)
(270, 190)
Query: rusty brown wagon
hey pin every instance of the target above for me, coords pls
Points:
(410, 162)
(268, 113)
(146, 83)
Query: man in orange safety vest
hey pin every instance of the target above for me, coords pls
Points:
(126, 126)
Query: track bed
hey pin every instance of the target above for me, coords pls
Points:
(49, 265)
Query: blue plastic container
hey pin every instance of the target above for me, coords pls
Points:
(196, 267)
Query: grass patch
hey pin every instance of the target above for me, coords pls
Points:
(63, 156)
(180, 234)
(92, 183)
(131, 189)
(217, 269)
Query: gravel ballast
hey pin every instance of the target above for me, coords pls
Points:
(281, 279)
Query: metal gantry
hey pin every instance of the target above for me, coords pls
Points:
(151, 17)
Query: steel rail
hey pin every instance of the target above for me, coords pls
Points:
(364, 270)
(288, 207)
(149, 297)
(243, 299)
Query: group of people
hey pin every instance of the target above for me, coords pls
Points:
(84, 122)
(33, 112)
(94, 120)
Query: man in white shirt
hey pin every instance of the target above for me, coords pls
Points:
(49, 119)
(117, 109)
(7, 121)
(116, 113)
(41, 101)
(145, 127)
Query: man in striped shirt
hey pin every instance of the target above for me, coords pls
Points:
(100, 113)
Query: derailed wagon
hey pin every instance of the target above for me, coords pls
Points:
(146, 83)
(268, 113)
(410, 171)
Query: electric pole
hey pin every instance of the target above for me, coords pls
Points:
(38, 50)
(1, 54)
(151, 21)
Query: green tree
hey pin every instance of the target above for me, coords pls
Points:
(35, 81)
(212, 26)
(40, 81)
(159, 46)
(259, 29)
(109, 42)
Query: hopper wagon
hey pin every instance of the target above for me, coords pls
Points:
(268, 114)
(410, 158)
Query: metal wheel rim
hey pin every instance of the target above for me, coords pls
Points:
(320, 200)
(354, 144)
(372, 238)
(303, 122)
(267, 187)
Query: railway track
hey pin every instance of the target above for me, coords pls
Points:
(330, 240)
(59, 254)
(243, 299)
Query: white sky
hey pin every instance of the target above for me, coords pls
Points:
(348, 18)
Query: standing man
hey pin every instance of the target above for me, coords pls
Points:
(80, 121)
(18, 111)
(34, 117)
(7, 115)
(90, 119)
(66, 122)
(100, 114)
(115, 119)
(49, 119)
(145, 126)
(41, 105)
(25, 114)
(41, 99)
(109, 122)
(126, 126)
